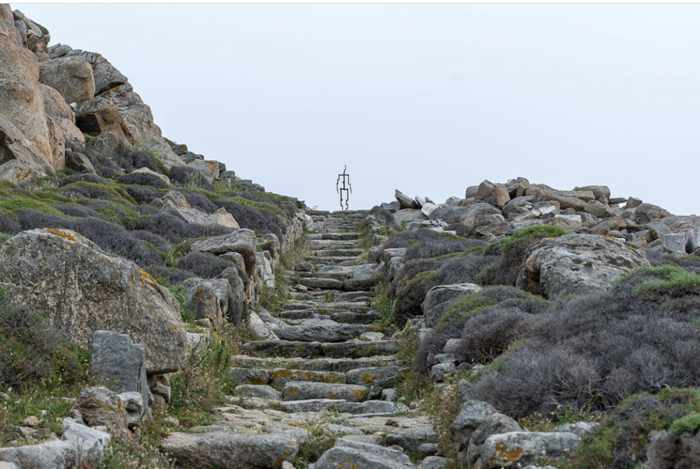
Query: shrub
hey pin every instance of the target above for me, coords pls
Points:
(172, 227)
(76, 210)
(203, 382)
(424, 243)
(688, 424)
(489, 333)
(634, 338)
(200, 201)
(203, 264)
(143, 179)
(320, 439)
(621, 440)
(143, 194)
(186, 176)
(253, 218)
(32, 351)
(8, 222)
(513, 252)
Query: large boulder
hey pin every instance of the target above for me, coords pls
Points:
(106, 76)
(494, 194)
(359, 455)
(177, 202)
(208, 298)
(577, 263)
(82, 289)
(517, 449)
(100, 407)
(70, 76)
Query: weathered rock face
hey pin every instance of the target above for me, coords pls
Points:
(348, 453)
(507, 449)
(438, 299)
(81, 289)
(70, 76)
(577, 263)
(241, 241)
(24, 122)
(209, 298)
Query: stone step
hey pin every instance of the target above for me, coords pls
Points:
(355, 296)
(347, 317)
(383, 376)
(354, 306)
(278, 377)
(342, 365)
(288, 348)
(370, 407)
(316, 244)
(347, 252)
(319, 282)
(332, 260)
(338, 236)
(302, 390)
(321, 330)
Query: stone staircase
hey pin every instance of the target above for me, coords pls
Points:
(327, 364)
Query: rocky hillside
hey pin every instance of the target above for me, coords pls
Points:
(157, 311)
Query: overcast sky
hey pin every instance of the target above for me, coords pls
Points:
(425, 98)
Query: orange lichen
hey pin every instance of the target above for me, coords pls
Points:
(68, 236)
(507, 454)
(147, 279)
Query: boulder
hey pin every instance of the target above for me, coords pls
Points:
(53, 454)
(241, 241)
(208, 298)
(492, 425)
(509, 449)
(258, 328)
(264, 270)
(438, 299)
(601, 193)
(494, 194)
(360, 455)
(404, 200)
(177, 202)
(577, 263)
(146, 176)
(32, 35)
(62, 120)
(472, 414)
(210, 170)
(42, 268)
(71, 76)
(229, 449)
(237, 306)
(90, 443)
(119, 364)
(98, 406)
(106, 76)
(646, 213)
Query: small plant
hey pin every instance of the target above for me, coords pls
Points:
(383, 304)
(178, 291)
(319, 440)
(688, 424)
(671, 280)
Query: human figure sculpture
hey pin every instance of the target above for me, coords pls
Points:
(344, 188)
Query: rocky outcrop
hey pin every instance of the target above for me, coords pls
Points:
(577, 263)
(82, 289)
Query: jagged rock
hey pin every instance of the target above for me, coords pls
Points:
(264, 270)
(176, 201)
(221, 449)
(106, 76)
(260, 391)
(404, 200)
(41, 268)
(135, 407)
(241, 241)
(61, 121)
(18, 160)
(71, 76)
(90, 443)
(119, 364)
(494, 194)
(438, 299)
(358, 455)
(408, 215)
(259, 328)
(442, 370)
(507, 449)
(471, 416)
(647, 213)
(98, 406)
(208, 298)
(601, 193)
(577, 263)
(33, 36)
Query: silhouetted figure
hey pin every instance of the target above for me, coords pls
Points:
(344, 188)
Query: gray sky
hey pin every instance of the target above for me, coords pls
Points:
(426, 98)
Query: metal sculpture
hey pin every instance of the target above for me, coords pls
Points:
(344, 188)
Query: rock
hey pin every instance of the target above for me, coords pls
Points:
(90, 443)
(258, 328)
(507, 449)
(54, 454)
(472, 414)
(98, 406)
(428, 208)
(408, 215)
(177, 202)
(475, 215)
(577, 428)
(222, 449)
(119, 364)
(434, 462)
(492, 425)
(371, 336)
(646, 213)
(440, 371)
(106, 76)
(209, 170)
(601, 193)
(208, 298)
(70, 76)
(358, 455)
(299, 390)
(322, 330)
(135, 406)
(40, 268)
(160, 387)
(404, 200)
(146, 176)
(64, 134)
(577, 263)
(31, 421)
(78, 161)
(494, 194)
(237, 306)
(439, 298)
(373, 376)
(264, 269)
(241, 241)
(260, 391)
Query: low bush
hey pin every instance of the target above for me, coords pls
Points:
(200, 201)
(189, 177)
(491, 332)
(203, 264)
(424, 243)
(622, 439)
(641, 336)
(253, 218)
(172, 227)
(143, 194)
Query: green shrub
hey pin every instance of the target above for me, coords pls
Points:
(671, 280)
(531, 233)
(688, 424)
